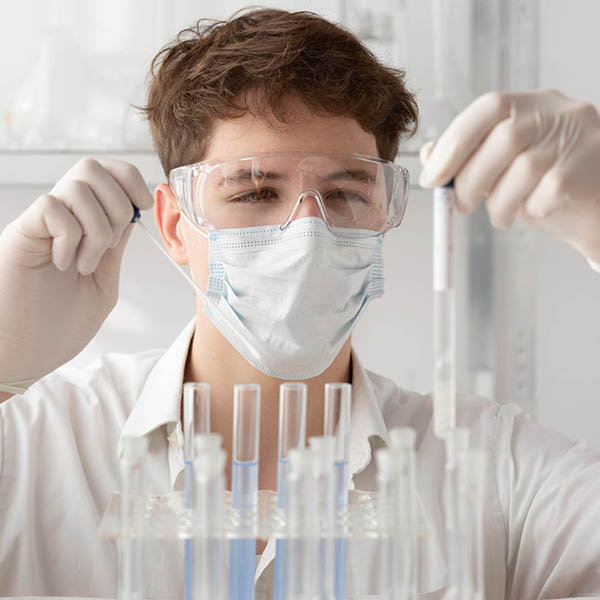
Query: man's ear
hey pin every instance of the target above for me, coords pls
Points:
(168, 220)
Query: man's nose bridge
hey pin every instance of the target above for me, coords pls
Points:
(309, 204)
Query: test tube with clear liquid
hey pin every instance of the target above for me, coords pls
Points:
(324, 448)
(131, 576)
(337, 425)
(471, 488)
(387, 509)
(292, 434)
(457, 443)
(244, 489)
(196, 420)
(208, 523)
(403, 446)
(303, 526)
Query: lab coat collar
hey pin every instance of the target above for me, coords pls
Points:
(366, 419)
(160, 400)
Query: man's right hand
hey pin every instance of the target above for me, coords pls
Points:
(60, 263)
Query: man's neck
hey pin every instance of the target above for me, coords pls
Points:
(214, 360)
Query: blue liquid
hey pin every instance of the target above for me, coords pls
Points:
(244, 488)
(281, 549)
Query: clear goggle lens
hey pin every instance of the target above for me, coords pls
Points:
(346, 190)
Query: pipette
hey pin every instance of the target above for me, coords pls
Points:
(292, 433)
(444, 312)
(209, 519)
(337, 425)
(244, 488)
(196, 420)
(136, 219)
(130, 556)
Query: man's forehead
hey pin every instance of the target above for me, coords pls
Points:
(252, 134)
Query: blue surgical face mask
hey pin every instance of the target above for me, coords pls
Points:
(287, 299)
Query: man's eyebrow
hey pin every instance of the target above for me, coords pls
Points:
(247, 175)
(361, 175)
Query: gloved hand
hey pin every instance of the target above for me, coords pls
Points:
(535, 156)
(60, 263)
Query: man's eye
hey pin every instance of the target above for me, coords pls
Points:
(255, 197)
(347, 196)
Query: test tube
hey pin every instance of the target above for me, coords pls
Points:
(457, 442)
(403, 445)
(303, 524)
(209, 519)
(196, 420)
(387, 511)
(337, 425)
(131, 525)
(444, 312)
(324, 448)
(292, 433)
(471, 474)
(244, 488)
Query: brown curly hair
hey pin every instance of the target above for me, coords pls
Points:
(253, 63)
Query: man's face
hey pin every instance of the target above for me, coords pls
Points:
(250, 135)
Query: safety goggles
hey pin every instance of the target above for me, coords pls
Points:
(348, 191)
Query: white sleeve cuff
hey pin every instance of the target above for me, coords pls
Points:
(595, 265)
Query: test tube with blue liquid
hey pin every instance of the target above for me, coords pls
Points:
(337, 425)
(244, 489)
(196, 421)
(292, 433)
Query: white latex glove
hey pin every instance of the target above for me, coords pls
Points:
(59, 266)
(533, 156)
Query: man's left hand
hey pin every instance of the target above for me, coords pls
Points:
(533, 156)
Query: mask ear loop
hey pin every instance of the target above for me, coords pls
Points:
(317, 196)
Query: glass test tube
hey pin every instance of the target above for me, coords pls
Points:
(196, 420)
(131, 581)
(403, 447)
(337, 425)
(387, 510)
(471, 474)
(244, 488)
(324, 448)
(303, 524)
(209, 579)
(292, 433)
(444, 313)
(457, 442)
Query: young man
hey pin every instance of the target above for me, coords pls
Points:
(287, 246)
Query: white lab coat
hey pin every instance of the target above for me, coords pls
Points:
(60, 446)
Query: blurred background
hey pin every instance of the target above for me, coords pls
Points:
(528, 306)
